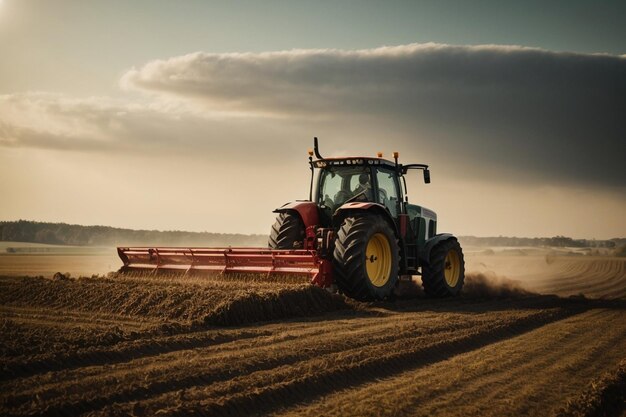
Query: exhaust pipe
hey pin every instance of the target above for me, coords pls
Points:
(316, 149)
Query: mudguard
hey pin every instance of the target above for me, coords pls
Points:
(424, 253)
(306, 209)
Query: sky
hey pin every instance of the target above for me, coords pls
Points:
(197, 115)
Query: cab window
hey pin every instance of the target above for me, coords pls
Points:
(388, 190)
(339, 184)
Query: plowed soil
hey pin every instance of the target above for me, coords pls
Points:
(140, 346)
(591, 276)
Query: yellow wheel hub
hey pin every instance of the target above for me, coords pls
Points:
(378, 259)
(452, 268)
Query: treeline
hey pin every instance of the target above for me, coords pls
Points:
(76, 235)
(72, 234)
(556, 241)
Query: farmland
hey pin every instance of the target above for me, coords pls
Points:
(535, 333)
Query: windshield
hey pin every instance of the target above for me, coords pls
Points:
(388, 190)
(338, 184)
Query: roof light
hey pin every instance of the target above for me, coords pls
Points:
(380, 154)
(396, 155)
(310, 152)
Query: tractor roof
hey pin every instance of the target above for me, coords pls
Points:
(351, 161)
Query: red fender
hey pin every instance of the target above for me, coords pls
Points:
(306, 209)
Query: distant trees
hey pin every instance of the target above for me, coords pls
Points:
(556, 241)
(71, 234)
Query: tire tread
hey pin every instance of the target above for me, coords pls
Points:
(287, 230)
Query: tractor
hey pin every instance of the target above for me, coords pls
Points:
(357, 233)
(358, 216)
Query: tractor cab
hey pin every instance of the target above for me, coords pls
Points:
(340, 181)
(345, 180)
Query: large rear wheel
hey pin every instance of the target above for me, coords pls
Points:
(287, 232)
(365, 258)
(444, 274)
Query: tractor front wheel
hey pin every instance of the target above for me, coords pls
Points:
(365, 258)
(444, 274)
(287, 232)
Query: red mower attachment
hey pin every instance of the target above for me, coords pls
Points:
(229, 260)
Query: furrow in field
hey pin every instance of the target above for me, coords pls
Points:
(609, 290)
(596, 277)
(531, 374)
(491, 386)
(595, 287)
(28, 334)
(604, 396)
(340, 357)
(317, 375)
(154, 343)
(313, 339)
(558, 275)
(47, 317)
(121, 352)
(590, 277)
(619, 292)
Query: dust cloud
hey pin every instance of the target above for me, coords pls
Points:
(477, 285)
(490, 285)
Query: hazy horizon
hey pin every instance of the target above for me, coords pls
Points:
(265, 234)
(197, 116)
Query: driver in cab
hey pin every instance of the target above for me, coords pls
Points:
(363, 191)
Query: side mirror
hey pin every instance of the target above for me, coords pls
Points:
(427, 176)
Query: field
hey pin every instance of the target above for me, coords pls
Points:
(34, 259)
(536, 332)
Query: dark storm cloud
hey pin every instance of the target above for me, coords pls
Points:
(558, 114)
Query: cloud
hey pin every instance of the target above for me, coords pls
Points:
(325, 81)
(101, 124)
(57, 122)
(558, 115)
(505, 112)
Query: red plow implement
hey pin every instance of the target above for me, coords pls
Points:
(228, 260)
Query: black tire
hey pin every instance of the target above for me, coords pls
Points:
(434, 272)
(350, 258)
(287, 232)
